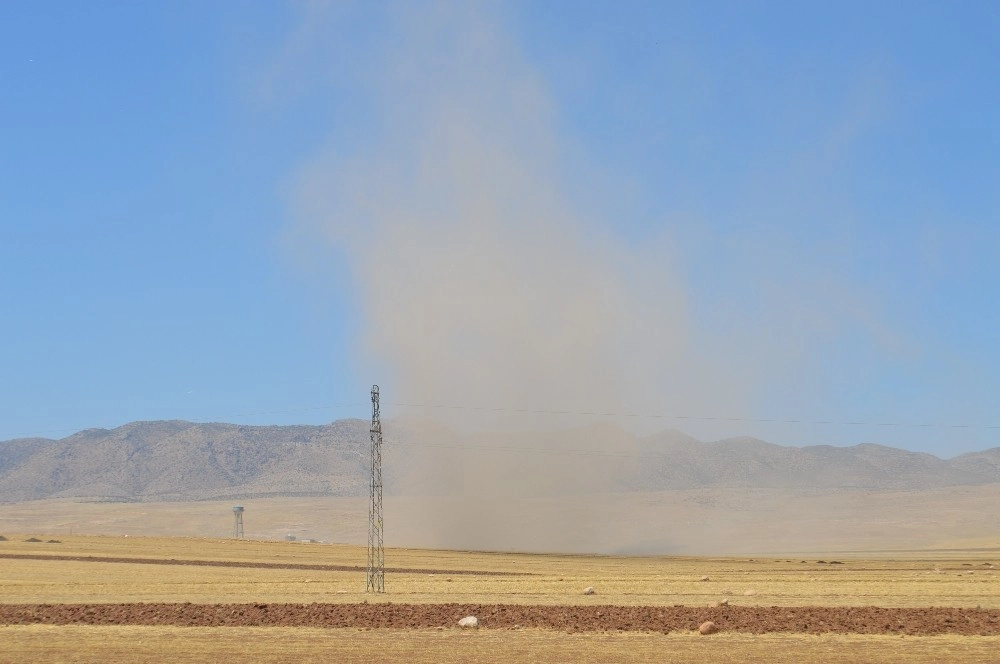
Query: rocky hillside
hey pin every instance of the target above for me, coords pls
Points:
(681, 463)
(176, 460)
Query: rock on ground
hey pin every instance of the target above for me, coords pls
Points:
(708, 627)
(469, 621)
(589, 590)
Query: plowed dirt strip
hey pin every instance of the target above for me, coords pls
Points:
(250, 564)
(756, 620)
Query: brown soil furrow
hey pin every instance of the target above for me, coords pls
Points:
(255, 565)
(756, 620)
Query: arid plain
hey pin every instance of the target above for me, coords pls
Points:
(142, 598)
(681, 522)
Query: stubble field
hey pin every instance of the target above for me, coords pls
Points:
(187, 599)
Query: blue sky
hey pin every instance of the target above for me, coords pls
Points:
(825, 180)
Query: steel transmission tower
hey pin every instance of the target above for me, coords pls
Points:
(238, 521)
(376, 557)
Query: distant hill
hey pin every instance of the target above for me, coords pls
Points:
(181, 461)
(751, 463)
(174, 460)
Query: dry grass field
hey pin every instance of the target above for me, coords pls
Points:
(156, 573)
(43, 643)
(695, 522)
(942, 578)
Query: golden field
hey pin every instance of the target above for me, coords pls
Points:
(942, 578)
(746, 522)
(963, 578)
(281, 644)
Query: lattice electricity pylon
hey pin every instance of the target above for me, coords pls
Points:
(376, 557)
(238, 521)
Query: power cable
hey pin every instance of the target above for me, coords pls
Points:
(543, 411)
(533, 411)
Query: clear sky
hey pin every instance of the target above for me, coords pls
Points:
(821, 180)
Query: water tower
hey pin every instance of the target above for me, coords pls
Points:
(238, 521)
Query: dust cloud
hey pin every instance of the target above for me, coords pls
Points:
(485, 287)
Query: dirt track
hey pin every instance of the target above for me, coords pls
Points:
(252, 565)
(812, 620)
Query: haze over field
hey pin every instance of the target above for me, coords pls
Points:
(665, 493)
(538, 226)
(493, 271)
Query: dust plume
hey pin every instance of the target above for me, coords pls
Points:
(483, 283)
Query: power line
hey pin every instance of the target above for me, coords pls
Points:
(543, 411)
(536, 450)
(196, 420)
(698, 418)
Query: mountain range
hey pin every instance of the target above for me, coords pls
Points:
(183, 461)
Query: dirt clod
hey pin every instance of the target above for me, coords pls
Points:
(708, 627)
